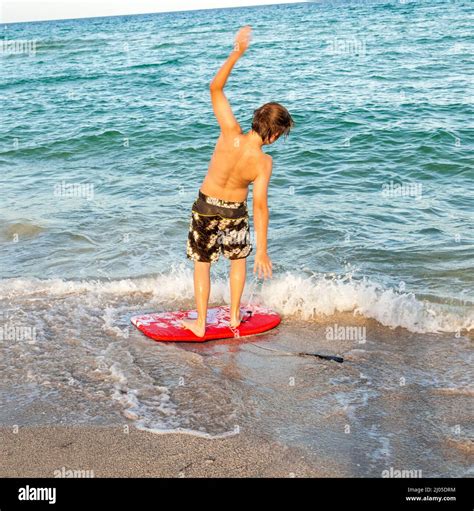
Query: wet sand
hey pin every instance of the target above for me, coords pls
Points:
(110, 452)
(400, 401)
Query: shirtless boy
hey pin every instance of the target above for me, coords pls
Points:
(219, 218)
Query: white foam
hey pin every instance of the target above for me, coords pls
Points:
(141, 399)
(109, 327)
(308, 297)
(300, 296)
(191, 432)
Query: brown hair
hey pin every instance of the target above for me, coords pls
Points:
(272, 119)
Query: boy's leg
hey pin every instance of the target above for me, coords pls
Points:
(238, 269)
(202, 288)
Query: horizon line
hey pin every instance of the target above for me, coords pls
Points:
(253, 3)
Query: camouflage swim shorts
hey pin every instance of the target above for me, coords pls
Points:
(218, 226)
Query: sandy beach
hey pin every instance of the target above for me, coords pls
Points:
(110, 452)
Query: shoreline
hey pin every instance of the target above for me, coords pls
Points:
(400, 400)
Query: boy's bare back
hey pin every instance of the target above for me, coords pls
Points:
(236, 162)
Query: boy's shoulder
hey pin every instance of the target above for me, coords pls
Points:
(268, 162)
(264, 166)
(263, 160)
(263, 157)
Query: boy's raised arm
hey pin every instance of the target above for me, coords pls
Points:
(220, 104)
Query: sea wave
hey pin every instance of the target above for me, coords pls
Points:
(294, 296)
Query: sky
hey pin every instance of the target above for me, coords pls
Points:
(38, 10)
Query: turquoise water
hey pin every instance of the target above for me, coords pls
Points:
(106, 134)
(381, 94)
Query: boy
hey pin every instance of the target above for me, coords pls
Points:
(219, 219)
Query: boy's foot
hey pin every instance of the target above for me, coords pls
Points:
(235, 321)
(193, 325)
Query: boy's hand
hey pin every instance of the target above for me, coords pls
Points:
(262, 266)
(242, 39)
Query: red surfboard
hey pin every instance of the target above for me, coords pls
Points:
(166, 326)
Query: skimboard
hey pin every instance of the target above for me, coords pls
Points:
(166, 326)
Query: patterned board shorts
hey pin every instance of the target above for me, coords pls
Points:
(218, 226)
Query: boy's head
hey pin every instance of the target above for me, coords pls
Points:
(271, 121)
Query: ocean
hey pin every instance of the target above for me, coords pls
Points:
(106, 134)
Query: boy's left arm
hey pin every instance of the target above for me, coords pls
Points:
(263, 264)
